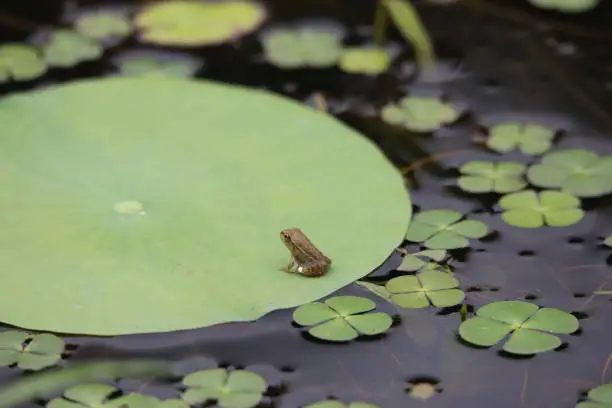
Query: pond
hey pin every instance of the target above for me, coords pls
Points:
(457, 227)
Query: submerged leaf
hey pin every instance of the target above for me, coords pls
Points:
(529, 138)
(163, 64)
(368, 61)
(421, 114)
(306, 47)
(484, 177)
(20, 63)
(103, 25)
(65, 48)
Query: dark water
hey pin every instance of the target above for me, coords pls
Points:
(510, 63)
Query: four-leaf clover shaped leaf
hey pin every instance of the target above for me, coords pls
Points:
(30, 351)
(431, 286)
(302, 48)
(20, 62)
(84, 396)
(608, 241)
(342, 318)
(420, 114)
(66, 48)
(531, 139)
(419, 260)
(484, 177)
(442, 229)
(529, 326)
(367, 61)
(528, 209)
(103, 25)
(575, 171)
(599, 397)
(230, 389)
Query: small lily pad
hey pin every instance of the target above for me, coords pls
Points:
(83, 396)
(195, 23)
(342, 318)
(65, 48)
(579, 172)
(599, 397)
(420, 114)
(566, 6)
(484, 177)
(30, 351)
(20, 63)
(530, 138)
(103, 25)
(157, 64)
(418, 260)
(444, 229)
(367, 61)
(528, 325)
(529, 209)
(430, 287)
(230, 389)
(305, 47)
(333, 403)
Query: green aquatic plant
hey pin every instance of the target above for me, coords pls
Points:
(20, 62)
(30, 351)
(419, 260)
(193, 23)
(530, 209)
(429, 287)
(566, 6)
(529, 327)
(530, 138)
(444, 229)
(485, 177)
(66, 48)
(367, 61)
(156, 64)
(305, 47)
(229, 389)
(420, 114)
(608, 241)
(342, 318)
(579, 172)
(598, 397)
(334, 403)
(103, 25)
(84, 396)
(155, 133)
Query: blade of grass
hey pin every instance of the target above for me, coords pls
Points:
(407, 20)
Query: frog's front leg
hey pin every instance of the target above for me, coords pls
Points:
(292, 267)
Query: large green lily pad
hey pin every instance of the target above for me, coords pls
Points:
(136, 205)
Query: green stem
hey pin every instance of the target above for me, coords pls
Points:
(381, 22)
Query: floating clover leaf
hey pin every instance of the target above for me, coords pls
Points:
(103, 25)
(83, 395)
(302, 48)
(368, 61)
(599, 397)
(530, 138)
(332, 403)
(484, 177)
(528, 209)
(566, 6)
(30, 351)
(191, 23)
(418, 260)
(420, 114)
(428, 287)
(163, 64)
(342, 318)
(441, 229)
(576, 171)
(20, 62)
(134, 400)
(529, 327)
(231, 389)
(65, 48)
(608, 241)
